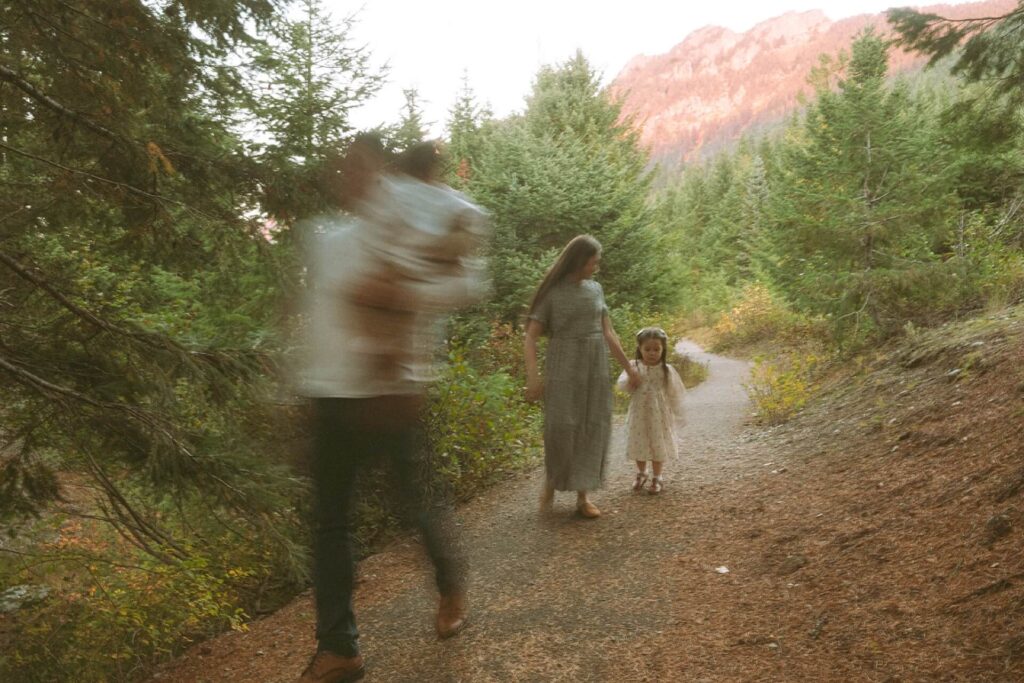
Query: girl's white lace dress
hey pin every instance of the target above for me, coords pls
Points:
(655, 413)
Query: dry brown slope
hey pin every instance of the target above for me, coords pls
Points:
(890, 546)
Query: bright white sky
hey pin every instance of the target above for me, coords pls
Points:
(500, 44)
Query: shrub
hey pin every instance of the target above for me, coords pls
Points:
(690, 371)
(780, 387)
(479, 426)
(759, 317)
(122, 611)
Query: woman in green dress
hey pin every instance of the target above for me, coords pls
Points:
(569, 308)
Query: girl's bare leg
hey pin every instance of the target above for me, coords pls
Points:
(656, 484)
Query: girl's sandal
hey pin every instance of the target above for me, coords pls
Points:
(641, 479)
(656, 486)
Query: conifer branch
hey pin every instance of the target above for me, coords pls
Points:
(108, 181)
(153, 422)
(17, 81)
(148, 338)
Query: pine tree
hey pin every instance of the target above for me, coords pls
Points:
(308, 76)
(568, 166)
(465, 136)
(137, 295)
(864, 199)
(411, 128)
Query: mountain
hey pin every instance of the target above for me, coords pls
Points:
(709, 89)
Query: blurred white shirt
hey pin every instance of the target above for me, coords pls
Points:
(401, 219)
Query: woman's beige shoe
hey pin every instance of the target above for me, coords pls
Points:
(588, 510)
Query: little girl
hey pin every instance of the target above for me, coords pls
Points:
(655, 409)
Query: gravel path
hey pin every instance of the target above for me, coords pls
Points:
(552, 599)
(875, 537)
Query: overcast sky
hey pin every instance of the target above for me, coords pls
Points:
(500, 45)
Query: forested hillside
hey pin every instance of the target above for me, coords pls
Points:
(156, 160)
(885, 205)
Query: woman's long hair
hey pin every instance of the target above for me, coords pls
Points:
(574, 256)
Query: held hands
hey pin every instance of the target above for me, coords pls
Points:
(634, 379)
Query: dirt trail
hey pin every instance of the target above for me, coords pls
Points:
(875, 537)
(552, 599)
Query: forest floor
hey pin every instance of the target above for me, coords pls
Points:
(877, 536)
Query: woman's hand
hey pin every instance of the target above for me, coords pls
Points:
(534, 389)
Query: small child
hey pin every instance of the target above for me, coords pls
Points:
(655, 408)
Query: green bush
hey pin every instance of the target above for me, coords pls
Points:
(479, 426)
(781, 386)
(122, 610)
(690, 371)
(758, 317)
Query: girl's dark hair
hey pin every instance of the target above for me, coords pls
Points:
(653, 333)
(574, 256)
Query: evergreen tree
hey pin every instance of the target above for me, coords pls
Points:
(570, 166)
(410, 129)
(309, 76)
(465, 135)
(754, 215)
(136, 295)
(864, 201)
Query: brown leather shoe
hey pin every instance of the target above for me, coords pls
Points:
(327, 667)
(588, 510)
(451, 614)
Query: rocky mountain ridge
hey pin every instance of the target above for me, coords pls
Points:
(716, 84)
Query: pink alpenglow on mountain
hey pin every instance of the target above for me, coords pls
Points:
(709, 89)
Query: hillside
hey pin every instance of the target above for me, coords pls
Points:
(875, 537)
(716, 84)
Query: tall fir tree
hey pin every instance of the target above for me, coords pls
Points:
(138, 292)
(571, 165)
(308, 77)
(466, 119)
(865, 199)
(411, 128)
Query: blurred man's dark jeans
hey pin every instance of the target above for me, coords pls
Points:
(350, 434)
